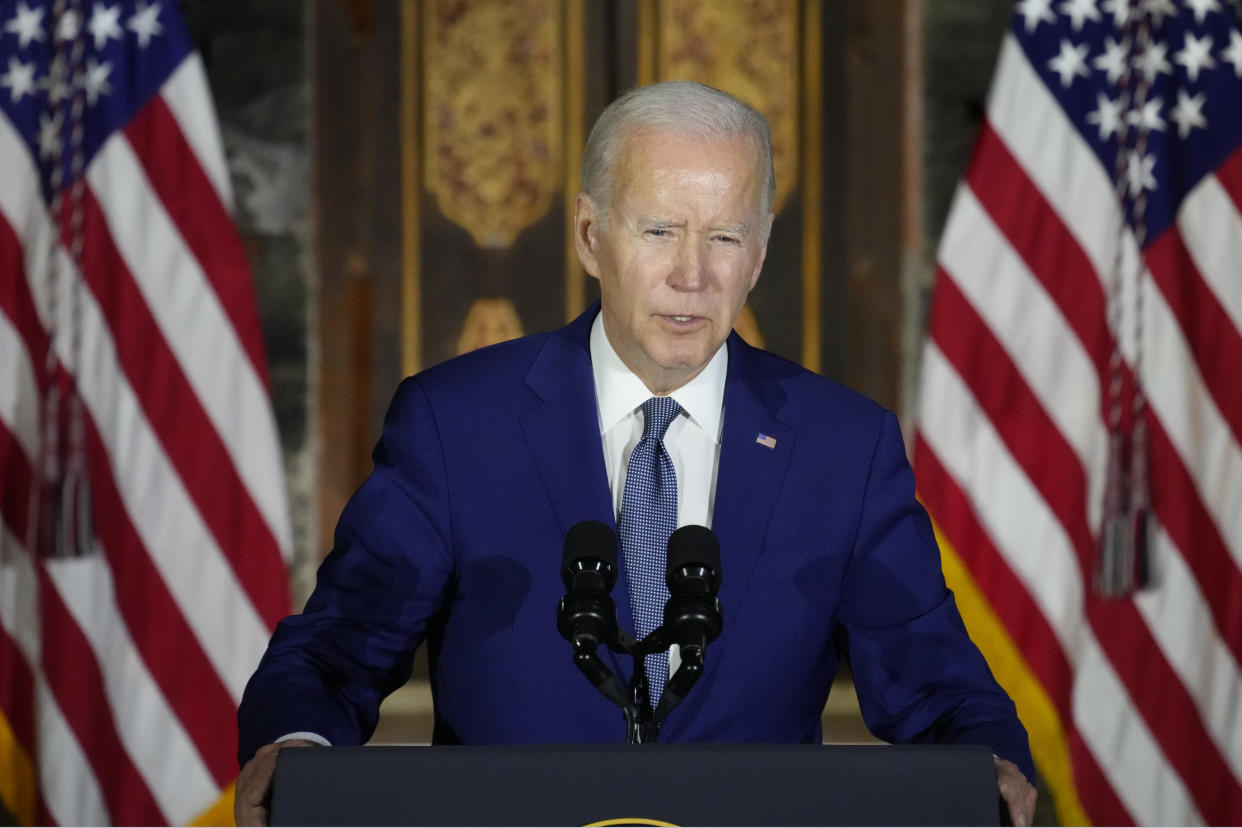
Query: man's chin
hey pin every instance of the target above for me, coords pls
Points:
(684, 366)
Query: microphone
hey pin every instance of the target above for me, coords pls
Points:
(692, 615)
(586, 615)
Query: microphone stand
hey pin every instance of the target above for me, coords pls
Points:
(636, 708)
(640, 705)
(642, 723)
(675, 689)
(635, 705)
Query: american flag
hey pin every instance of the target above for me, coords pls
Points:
(1079, 438)
(143, 520)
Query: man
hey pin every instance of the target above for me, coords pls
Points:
(486, 461)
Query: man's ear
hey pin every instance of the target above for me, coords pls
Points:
(586, 233)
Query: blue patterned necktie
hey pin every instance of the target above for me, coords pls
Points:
(648, 517)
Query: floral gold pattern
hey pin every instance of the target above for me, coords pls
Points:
(747, 48)
(491, 319)
(493, 112)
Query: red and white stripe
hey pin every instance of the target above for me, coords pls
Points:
(123, 669)
(1012, 441)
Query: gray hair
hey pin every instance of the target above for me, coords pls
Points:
(681, 107)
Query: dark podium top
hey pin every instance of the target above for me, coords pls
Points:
(682, 784)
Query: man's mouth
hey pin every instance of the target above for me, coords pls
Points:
(683, 321)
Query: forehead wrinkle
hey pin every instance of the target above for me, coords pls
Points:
(641, 175)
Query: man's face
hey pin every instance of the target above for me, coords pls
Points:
(677, 253)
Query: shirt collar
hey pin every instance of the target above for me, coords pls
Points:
(619, 392)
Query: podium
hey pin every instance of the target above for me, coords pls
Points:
(654, 784)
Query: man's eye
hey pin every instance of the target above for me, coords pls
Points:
(658, 232)
(729, 239)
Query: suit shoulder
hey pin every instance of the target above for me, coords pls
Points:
(503, 379)
(814, 393)
(492, 367)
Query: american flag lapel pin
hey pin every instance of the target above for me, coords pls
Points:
(765, 441)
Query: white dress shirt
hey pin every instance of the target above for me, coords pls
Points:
(692, 439)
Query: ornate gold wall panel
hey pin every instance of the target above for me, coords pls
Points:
(748, 49)
(492, 112)
(496, 97)
(491, 319)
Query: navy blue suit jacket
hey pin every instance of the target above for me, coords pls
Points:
(455, 538)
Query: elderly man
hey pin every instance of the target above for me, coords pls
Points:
(645, 413)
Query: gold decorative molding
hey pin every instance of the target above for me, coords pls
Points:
(493, 112)
(749, 50)
(411, 249)
(812, 187)
(575, 114)
(491, 319)
(648, 35)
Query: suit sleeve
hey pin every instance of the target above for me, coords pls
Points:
(326, 670)
(919, 677)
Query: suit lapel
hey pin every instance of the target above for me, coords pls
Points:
(747, 482)
(754, 456)
(563, 431)
(563, 436)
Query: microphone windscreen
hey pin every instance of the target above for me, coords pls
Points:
(590, 539)
(693, 546)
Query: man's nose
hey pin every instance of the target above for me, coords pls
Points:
(689, 271)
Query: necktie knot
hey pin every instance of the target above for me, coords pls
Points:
(658, 414)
